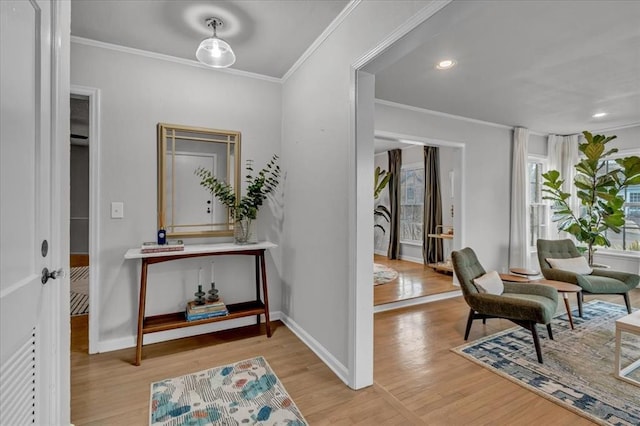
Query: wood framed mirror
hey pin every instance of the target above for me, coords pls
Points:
(185, 208)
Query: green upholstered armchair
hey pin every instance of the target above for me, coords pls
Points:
(523, 303)
(600, 281)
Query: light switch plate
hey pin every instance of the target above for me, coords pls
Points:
(117, 210)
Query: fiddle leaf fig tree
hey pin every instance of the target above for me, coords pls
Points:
(599, 190)
(380, 180)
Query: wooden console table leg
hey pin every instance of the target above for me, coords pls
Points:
(257, 259)
(265, 294)
(141, 307)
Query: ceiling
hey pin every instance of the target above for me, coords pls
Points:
(547, 66)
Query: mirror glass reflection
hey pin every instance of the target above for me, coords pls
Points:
(186, 209)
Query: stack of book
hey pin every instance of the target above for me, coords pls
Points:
(196, 312)
(152, 247)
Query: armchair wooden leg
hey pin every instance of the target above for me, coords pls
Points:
(536, 341)
(580, 300)
(469, 321)
(549, 331)
(627, 302)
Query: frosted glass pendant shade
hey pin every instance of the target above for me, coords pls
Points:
(216, 53)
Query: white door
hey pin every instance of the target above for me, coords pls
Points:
(192, 204)
(34, 340)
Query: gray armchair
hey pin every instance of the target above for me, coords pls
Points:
(524, 304)
(600, 281)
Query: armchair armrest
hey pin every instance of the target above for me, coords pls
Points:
(560, 275)
(531, 288)
(626, 277)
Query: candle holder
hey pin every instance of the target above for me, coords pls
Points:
(213, 294)
(199, 295)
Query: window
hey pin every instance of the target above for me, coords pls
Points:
(538, 208)
(629, 237)
(411, 203)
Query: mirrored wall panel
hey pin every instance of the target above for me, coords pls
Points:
(185, 208)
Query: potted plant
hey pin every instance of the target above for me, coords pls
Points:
(244, 210)
(598, 190)
(380, 180)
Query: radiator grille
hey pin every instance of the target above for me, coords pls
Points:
(18, 385)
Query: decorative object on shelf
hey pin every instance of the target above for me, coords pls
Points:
(598, 190)
(162, 236)
(245, 210)
(195, 311)
(199, 294)
(214, 51)
(169, 245)
(213, 294)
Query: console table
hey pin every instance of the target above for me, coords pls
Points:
(175, 320)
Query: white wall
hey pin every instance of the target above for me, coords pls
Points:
(137, 93)
(318, 158)
(487, 174)
(627, 139)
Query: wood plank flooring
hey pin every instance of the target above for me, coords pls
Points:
(418, 380)
(414, 280)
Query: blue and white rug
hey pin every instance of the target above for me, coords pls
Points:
(578, 365)
(244, 393)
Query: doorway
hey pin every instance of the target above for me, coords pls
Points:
(79, 204)
(84, 145)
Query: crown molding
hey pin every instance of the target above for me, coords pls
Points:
(168, 58)
(321, 38)
(453, 116)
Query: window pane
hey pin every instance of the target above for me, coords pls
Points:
(411, 201)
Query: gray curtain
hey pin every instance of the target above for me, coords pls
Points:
(432, 215)
(395, 164)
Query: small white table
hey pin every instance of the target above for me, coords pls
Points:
(627, 324)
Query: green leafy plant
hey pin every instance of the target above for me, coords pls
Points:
(597, 189)
(380, 180)
(258, 187)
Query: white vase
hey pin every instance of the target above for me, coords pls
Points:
(245, 231)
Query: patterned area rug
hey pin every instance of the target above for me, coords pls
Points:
(383, 274)
(578, 365)
(244, 393)
(79, 290)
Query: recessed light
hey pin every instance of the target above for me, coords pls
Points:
(446, 64)
(599, 115)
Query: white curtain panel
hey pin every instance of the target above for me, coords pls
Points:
(519, 251)
(563, 156)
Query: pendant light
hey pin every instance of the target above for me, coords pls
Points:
(213, 51)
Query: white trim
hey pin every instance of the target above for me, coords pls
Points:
(321, 39)
(417, 19)
(360, 250)
(618, 254)
(416, 301)
(452, 116)
(338, 368)
(168, 58)
(411, 258)
(417, 139)
(94, 211)
(55, 371)
(612, 129)
(130, 341)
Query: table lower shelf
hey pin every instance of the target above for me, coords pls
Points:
(177, 319)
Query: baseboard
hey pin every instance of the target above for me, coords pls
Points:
(412, 259)
(163, 336)
(416, 301)
(338, 369)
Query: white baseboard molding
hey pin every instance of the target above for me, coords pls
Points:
(416, 301)
(163, 336)
(402, 257)
(338, 369)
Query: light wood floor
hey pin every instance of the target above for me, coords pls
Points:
(418, 380)
(414, 280)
